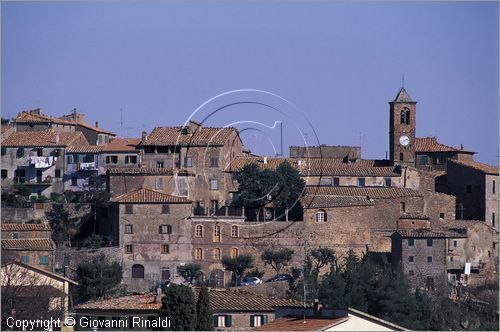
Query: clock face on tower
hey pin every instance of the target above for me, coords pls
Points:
(404, 140)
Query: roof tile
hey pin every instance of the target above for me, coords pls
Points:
(122, 145)
(488, 169)
(430, 144)
(371, 192)
(25, 227)
(202, 136)
(149, 196)
(47, 138)
(28, 244)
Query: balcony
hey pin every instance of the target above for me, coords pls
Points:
(38, 181)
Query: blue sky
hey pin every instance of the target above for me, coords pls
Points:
(338, 63)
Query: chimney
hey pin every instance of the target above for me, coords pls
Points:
(461, 146)
(57, 138)
(144, 136)
(317, 308)
(97, 124)
(265, 160)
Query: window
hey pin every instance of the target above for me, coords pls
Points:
(361, 182)
(137, 271)
(129, 249)
(441, 215)
(451, 259)
(405, 117)
(4, 173)
(401, 156)
(57, 173)
(111, 159)
(74, 181)
(402, 206)
(188, 161)
(14, 236)
(214, 206)
(198, 254)
(494, 245)
(235, 232)
(130, 159)
(410, 272)
(216, 237)
(336, 182)
(424, 160)
(44, 260)
(493, 218)
(214, 185)
(387, 182)
(455, 243)
(129, 229)
(159, 164)
(258, 320)
(468, 189)
(234, 252)
(165, 274)
(216, 254)
(321, 216)
(198, 231)
(165, 249)
(411, 259)
(430, 283)
(429, 242)
(411, 242)
(439, 160)
(429, 259)
(493, 185)
(20, 153)
(129, 209)
(159, 183)
(222, 320)
(165, 229)
(4, 151)
(25, 259)
(214, 161)
(165, 209)
(70, 159)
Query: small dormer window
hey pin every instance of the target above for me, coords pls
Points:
(184, 130)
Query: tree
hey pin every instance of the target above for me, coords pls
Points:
(323, 257)
(94, 241)
(99, 278)
(291, 188)
(189, 272)
(237, 266)
(178, 305)
(64, 225)
(5, 120)
(204, 321)
(278, 258)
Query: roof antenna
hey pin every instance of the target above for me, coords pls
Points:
(403, 81)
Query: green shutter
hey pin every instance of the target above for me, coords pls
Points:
(229, 320)
(216, 321)
(252, 323)
(265, 319)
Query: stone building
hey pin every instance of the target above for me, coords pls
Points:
(83, 165)
(202, 151)
(420, 254)
(28, 243)
(432, 155)
(121, 153)
(154, 237)
(35, 120)
(37, 159)
(347, 153)
(475, 185)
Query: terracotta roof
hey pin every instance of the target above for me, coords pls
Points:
(296, 323)
(323, 166)
(337, 167)
(146, 171)
(39, 270)
(6, 127)
(430, 144)
(85, 148)
(149, 196)
(428, 233)
(29, 117)
(146, 301)
(122, 145)
(488, 169)
(202, 136)
(371, 192)
(414, 215)
(28, 244)
(320, 201)
(223, 300)
(25, 227)
(45, 138)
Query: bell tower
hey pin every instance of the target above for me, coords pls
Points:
(402, 124)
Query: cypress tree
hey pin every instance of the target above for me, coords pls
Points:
(204, 320)
(178, 304)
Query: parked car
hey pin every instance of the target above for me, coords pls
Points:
(281, 277)
(250, 281)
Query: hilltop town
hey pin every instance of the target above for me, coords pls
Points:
(191, 205)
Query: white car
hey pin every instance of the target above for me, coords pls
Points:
(251, 281)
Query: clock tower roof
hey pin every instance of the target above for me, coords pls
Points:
(403, 97)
